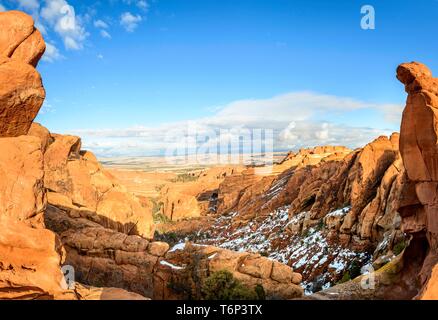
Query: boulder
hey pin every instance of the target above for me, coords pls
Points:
(22, 196)
(29, 261)
(21, 96)
(37, 130)
(431, 290)
(15, 27)
(22, 93)
(92, 192)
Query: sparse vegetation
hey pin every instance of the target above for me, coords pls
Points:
(221, 285)
(185, 177)
(320, 225)
(399, 247)
(158, 216)
(345, 278)
(353, 272)
(355, 269)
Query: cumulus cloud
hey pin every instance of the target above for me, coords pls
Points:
(31, 5)
(61, 16)
(100, 24)
(105, 34)
(2, 8)
(52, 53)
(143, 5)
(130, 21)
(296, 120)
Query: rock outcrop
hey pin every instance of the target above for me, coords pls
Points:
(104, 257)
(256, 191)
(325, 211)
(322, 180)
(21, 93)
(419, 151)
(30, 255)
(196, 197)
(22, 195)
(78, 184)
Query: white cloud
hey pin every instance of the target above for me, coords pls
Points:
(100, 56)
(31, 5)
(46, 108)
(298, 119)
(105, 34)
(2, 8)
(100, 24)
(52, 53)
(129, 21)
(143, 5)
(61, 16)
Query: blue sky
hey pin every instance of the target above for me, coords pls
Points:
(122, 73)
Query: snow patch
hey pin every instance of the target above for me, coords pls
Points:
(168, 264)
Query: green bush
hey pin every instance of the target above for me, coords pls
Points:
(161, 218)
(345, 278)
(260, 291)
(355, 269)
(221, 285)
(399, 247)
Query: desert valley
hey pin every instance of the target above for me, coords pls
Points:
(325, 222)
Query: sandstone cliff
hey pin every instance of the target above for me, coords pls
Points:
(418, 147)
(30, 255)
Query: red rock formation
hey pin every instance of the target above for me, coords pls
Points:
(78, 184)
(194, 198)
(319, 181)
(29, 262)
(419, 150)
(30, 255)
(254, 191)
(104, 257)
(21, 93)
(22, 195)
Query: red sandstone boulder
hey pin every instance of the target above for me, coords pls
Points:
(29, 261)
(91, 191)
(22, 93)
(22, 196)
(21, 96)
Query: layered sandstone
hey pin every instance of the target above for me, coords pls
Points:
(104, 257)
(77, 183)
(258, 191)
(318, 181)
(196, 197)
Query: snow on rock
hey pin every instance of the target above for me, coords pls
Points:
(339, 213)
(321, 262)
(168, 264)
(179, 246)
